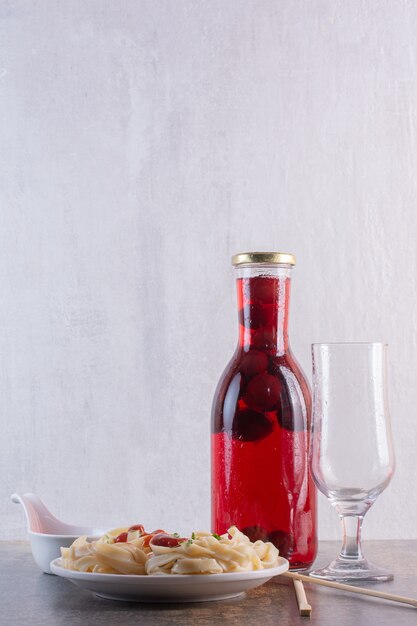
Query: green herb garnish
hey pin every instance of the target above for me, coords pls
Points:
(193, 536)
(216, 536)
(175, 535)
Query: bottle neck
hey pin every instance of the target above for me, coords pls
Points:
(263, 294)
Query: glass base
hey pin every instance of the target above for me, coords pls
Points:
(341, 570)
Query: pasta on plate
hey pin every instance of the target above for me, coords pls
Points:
(134, 551)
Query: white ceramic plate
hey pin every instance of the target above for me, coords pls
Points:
(175, 588)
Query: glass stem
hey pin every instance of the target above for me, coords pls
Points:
(351, 547)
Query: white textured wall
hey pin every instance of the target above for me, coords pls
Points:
(144, 142)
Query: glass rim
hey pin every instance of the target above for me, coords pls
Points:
(350, 343)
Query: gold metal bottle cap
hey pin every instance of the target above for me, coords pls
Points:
(271, 258)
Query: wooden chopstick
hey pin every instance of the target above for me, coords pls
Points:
(361, 590)
(304, 607)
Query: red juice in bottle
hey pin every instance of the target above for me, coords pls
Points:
(261, 418)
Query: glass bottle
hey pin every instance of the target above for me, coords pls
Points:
(261, 420)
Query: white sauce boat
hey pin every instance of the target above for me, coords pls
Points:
(47, 533)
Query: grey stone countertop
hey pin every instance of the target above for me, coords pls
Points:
(31, 598)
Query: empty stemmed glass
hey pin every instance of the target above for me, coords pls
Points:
(352, 458)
